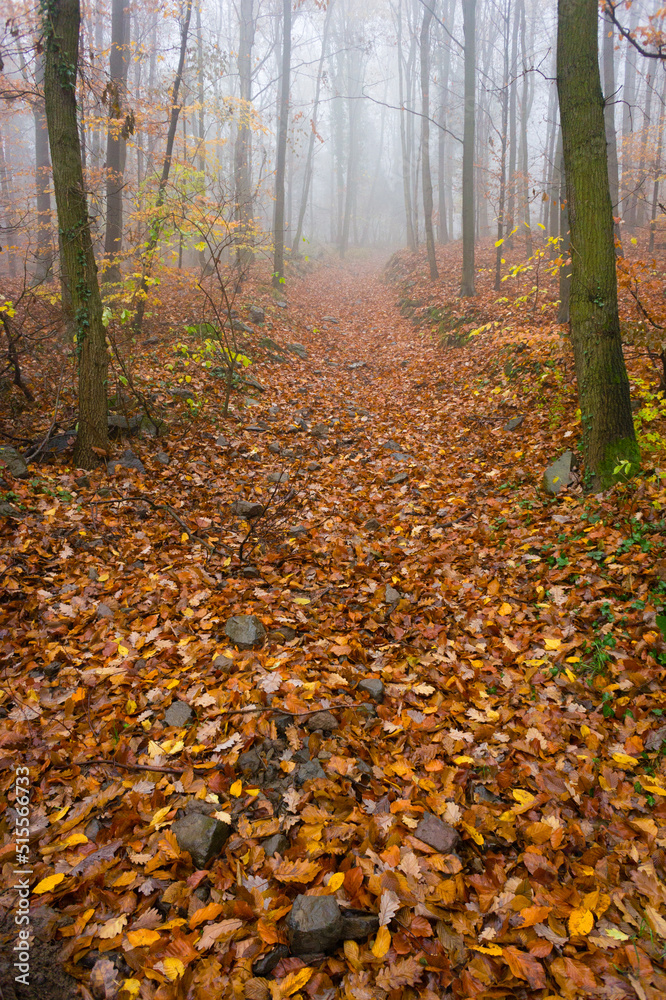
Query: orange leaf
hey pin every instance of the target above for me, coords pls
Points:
(525, 966)
(297, 871)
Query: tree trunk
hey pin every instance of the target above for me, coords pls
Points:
(243, 149)
(526, 99)
(44, 256)
(608, 440)
(628, 112)
(656, 166)
(608, 30)
(425, 141)
(116, 93)
(60, 23)
(406, 167)
(155, 229)
(499, 243)
(307, 180)
(281, 159)
(513, 145)
(467, 282)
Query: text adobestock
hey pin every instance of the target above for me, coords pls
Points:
(23, 871)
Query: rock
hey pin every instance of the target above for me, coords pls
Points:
(358, 925)
(483, 794)
(282, 722)
(252, 382)
(245, 631)
(238, 325)
(59, 443)
(391, 595)
(270, 345)
(274, 448)
(122, 423)
(297, 531)
(314, 925)
(436, 833)
(330, 319)
(265, 965)
(128, 460)
(247, 509)
(356, 364)
(202, 836)
(82, 482)
(400, 456)
(399, 478)
(320, 431)
(513, 424)
(257, 315)
(325, 721)
(391, 445)
(367, 709)
(14, 463)
(152, 428)
(151, 341)
(178, 714)
(6, 510)
(314, 466)
(281, 304)
(104, 611)
(278, 477)
(273, 411)
(297, 349)
(311, 770)
(222, 442)
(250, 764)
(372, 524)
(162, 458)
(283, 634)
(277, 844)
(183, 393)
(374, 688)
(557, 475)
(257, 428)
(223, 663)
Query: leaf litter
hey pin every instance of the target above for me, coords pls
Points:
(518, 669)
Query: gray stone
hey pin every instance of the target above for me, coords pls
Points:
(58, 444)
(367, 709)
(513, 424)
(250, 763)
(483, 794)
(557, 475)
(122, 423)
(325, 721)
(183, 393)
(374, 689)
(391, 595)
(274, 448)
(298, 349)
(330, 319)
(400, 456)
(297, 531)
(283, 634)
(271, 345)
(265, 965)
(162, 458)
(104, 611)
(278, 477)
(281, 304)
(245, 631)
(152, 428)
(399, 478)
(252, 382)
(14, 463)
(247, 509)
(240, 327)
(223, 663)
(357, 364)
(311, 770)
(358, 925)
(436, 833)
(277, 844)
(391, 445)
(128, 460)
(320, 431)
(6, 510)
(257, 315)
(178, 714)
(372, 524)
(222, 442)
(202, 836)
(314, 925)
(314, 466)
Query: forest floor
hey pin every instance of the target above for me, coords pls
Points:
(454, 722)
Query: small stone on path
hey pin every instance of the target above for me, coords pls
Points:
(436, 833)
(202, 836)
(374, 688)
(314, 925)
(178, 714)
(245, 631)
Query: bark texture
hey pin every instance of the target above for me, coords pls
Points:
(281, 159)
(60, 21)
(603, 387)
(469, 27)
(425, 141)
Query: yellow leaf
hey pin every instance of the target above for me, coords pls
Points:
(131, 986)
(188, 613)
(74, 839)
(463, 759)
(653, 789)
(173, 968)
(125, 879)
(552, 643)
(123, 650)
(301, 600)
(491, 949)
(103, 577)
(200, 246)
(634, 240)
(474, 834)
(49, 883)
(336, 881)
(142, 938)
(130, 706)
(297, 871)
(505, 609)
(382, 942)
(295, 981)
(625, 759)
(581, 921)
(615, 932)
(159, 815)
(236, 788)
(523, 797)
(585, 731)
(184, 537)
(112, 928)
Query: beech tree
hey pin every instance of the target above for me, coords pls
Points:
(469, 24)
(608, 439)
(60, 26)
(283, 120)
